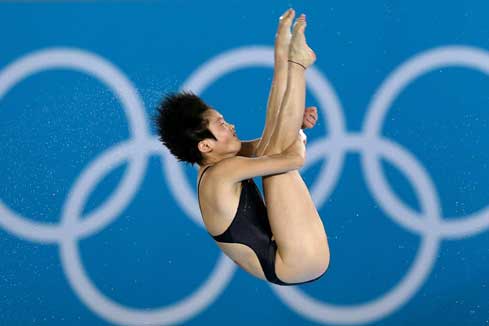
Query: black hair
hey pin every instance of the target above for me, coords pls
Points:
(181, 125)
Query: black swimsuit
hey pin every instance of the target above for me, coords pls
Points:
(250, 226)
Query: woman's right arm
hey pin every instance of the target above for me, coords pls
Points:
(239, 168)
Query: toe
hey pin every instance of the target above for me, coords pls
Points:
(287, 17)
(286, 13)
(300, 24)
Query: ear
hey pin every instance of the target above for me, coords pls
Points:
(204, 146)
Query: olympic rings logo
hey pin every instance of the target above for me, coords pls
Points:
(370, 144)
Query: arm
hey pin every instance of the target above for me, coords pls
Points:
(237, 168)
(240, 168)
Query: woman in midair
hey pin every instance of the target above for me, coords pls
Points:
(281, 239)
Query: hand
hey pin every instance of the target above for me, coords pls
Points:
(310, 117)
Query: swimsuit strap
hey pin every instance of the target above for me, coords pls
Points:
(198, 185)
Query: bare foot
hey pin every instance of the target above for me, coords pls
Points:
(299, 51)
(283, 35)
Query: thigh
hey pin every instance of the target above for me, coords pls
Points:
(244, 256)
(293, 217)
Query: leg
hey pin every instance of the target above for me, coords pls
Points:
(303, 251)
(291, 113)
(279, 82)
(302, 244)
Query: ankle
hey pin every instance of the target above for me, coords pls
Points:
(297, 63)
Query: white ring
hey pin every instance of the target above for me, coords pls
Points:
(94, 66)
(396, 297)
(460, 56)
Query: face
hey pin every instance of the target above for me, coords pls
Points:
(227, 141)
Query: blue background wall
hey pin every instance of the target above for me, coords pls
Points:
(152, 253)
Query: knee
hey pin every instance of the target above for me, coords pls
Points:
(313, 259)
(318, 260)
(323, 265)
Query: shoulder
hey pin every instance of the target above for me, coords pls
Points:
(220, 174)
(217, 189)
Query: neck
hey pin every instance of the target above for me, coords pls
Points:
(214, 160)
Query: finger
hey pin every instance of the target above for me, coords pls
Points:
(310, 112)
(308, 124)
(310, 116)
